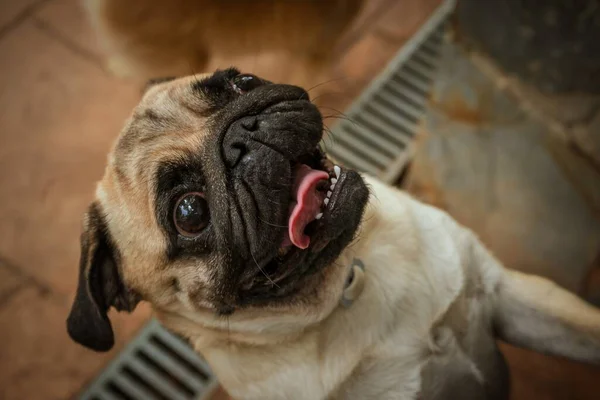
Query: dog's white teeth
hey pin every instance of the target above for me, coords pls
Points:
(329, 194)
(337, 171)
(326, 201)
(319, 216)
(333, 182)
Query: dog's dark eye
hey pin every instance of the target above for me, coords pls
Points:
(191, 214)
(246, 82)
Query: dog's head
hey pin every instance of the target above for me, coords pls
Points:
(217, 201)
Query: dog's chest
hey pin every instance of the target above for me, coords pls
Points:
(456, 359)
(436, 340)
(465, 361)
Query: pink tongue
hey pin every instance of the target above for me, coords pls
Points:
(307, 205)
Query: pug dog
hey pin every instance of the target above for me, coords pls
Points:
(294, 277)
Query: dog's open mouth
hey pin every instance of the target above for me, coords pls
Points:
(315, 181)
(315, 220)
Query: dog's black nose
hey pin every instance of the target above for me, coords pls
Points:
(269, 122)
(236, 145)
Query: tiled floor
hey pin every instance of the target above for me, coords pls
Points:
(59, 112)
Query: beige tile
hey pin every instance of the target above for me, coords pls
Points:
(365, 59)
(355, 70)
(9, 281)
(369, 14)
(219, 394)
(404, 17)
(12, 9)
(68, 19)
(59, 114)
(375, 38)
(540, 377)
(38, 360)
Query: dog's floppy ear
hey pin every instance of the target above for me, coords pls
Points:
(100, 286)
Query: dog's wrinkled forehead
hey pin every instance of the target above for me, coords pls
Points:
(168, 94)
(170, 125)
(171, 111)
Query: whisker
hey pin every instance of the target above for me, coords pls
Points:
(342, 118)
(328, 130)
(228, 327)
(330, 138)
(263, 272)
(273, 201)
(264, 144)
(191, 69)
(334, 109)
(330, 93)
(271, 224)
(326, 82)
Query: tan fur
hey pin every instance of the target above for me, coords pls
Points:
(432, 301)
(285, 41)
(129, 178)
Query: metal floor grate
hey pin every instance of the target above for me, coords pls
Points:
(156, 365)
(159, 365)
(377, 136)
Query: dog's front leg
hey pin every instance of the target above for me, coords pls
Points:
(535, 313)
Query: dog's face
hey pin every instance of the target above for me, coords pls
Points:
(217, 201)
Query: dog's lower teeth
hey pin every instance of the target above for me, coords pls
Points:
(329, 193)
(332, 187)
(319, 216)
(326, 201)
(334, 181)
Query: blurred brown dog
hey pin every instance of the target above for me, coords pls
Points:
(284, 41)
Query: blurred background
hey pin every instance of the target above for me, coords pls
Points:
(508, 143)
